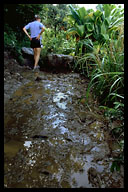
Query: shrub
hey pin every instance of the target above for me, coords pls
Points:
(13, 45)
(58, 44)
(9, 38)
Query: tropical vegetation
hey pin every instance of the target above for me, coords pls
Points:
(100, 56)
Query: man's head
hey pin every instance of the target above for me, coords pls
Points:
(37, 18)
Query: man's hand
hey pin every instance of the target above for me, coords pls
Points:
(38, 37)
(30, 38)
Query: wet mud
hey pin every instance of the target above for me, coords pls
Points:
(51, 138)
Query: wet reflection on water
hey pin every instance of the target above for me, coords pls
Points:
(63, 129)
(59, 99)
(27, 144)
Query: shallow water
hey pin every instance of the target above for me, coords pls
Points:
(52, 139)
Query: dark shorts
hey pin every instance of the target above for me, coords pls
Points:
(35, 43)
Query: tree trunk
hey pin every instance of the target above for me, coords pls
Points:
(55, 30)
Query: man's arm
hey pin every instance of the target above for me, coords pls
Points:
(27, 33)
(38, 37)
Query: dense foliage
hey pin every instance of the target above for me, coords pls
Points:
(95, 38)
(100, 55)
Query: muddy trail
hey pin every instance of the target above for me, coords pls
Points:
(51, 138)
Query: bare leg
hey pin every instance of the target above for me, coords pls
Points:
(36, 55)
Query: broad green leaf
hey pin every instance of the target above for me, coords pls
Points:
(82, 13)
(80, 30)
(90, 27)
(97, 13)
(88, 35)
(106, 36)
(107, 10)
(118, 21)
(113, 29)
(72, 31)
(75, 15)
(71, 17)
(106, 22)
(103, 29)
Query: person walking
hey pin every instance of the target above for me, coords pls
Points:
(36, 29)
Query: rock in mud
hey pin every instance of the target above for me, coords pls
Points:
(59, 60)
(45, 173)
(38, 79)
(68, 139)
(94, 177)
(28, 51)
(40, 137)
(28, 56)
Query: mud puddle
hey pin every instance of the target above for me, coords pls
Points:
(52, 139)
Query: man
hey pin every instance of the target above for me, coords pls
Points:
(36, 29)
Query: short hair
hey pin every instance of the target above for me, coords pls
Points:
(37, 17)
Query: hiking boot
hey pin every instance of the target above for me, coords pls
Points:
(36, 68)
